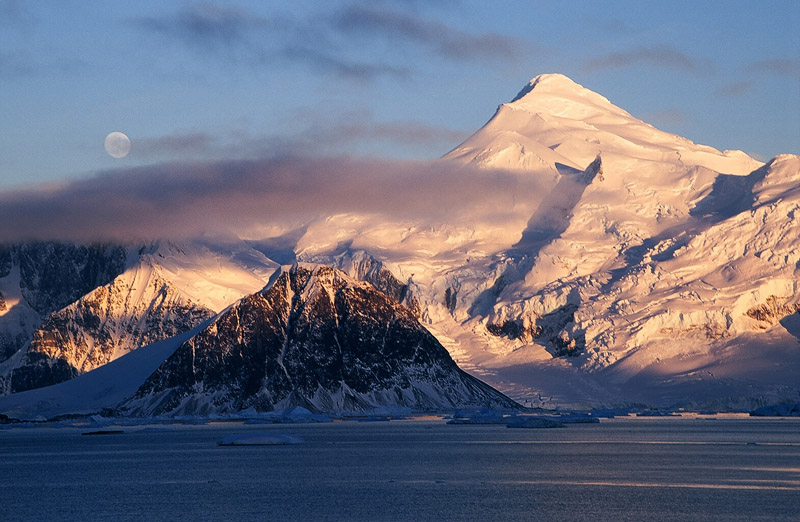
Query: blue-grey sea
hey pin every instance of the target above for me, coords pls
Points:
(637, 469)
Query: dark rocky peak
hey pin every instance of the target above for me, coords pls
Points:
(316, 338)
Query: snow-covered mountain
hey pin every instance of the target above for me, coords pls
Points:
(153, 293)
(636, 267)
(639, 275)
(554, 123)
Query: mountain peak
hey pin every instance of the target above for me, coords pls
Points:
(549, 82)
(554, 120)
(557, 95)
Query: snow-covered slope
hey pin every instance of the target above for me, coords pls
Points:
(94, 391)
(38, 278)
(164, 289)
(651, 275)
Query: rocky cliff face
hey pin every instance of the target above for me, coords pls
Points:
(314, 338)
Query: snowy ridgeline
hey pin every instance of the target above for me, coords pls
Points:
(629, 267)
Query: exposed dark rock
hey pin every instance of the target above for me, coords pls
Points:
(550, 330)
(772, 311)
(594, 171)
(54, 275)
(89, 332)
(777, 410)
(364, 267)
(513, 329)
(5, 419)
(39, 370)
(450, 299)
(6, 260)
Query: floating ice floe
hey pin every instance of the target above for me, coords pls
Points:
(482, 416)
(533, 422)
(573, 418)
(260, 439)
(294, 415)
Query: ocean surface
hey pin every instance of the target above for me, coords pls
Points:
(637, 469)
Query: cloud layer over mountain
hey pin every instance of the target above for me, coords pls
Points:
(175, 200)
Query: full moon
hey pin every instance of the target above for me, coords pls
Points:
(117, 145)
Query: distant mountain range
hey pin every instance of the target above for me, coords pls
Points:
(645, 269)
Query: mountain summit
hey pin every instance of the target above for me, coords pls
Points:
(554, 121)
(569, 99)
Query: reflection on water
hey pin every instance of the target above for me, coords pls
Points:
(621, 469)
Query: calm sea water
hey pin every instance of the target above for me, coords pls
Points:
(622, 469)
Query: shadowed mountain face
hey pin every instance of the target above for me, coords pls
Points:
(313, 338)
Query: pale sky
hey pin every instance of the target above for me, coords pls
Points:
(229, 81)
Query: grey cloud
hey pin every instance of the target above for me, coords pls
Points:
(785, 67)
(188, 199)
(323, 43)
(656, 55)
(207, 27)
(243, 37)
(446, 41)
(338, 132)
(668, 117)
(360, 71)
(355, 128)
(413, 133)
(735, 89)
(176, 144)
